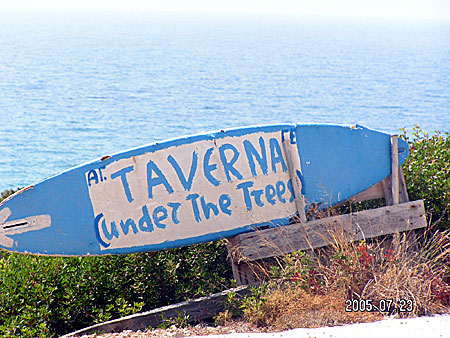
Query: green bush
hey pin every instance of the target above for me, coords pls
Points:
(47, 296)
(50, 296)
(427, 175)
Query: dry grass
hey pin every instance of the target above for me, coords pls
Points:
(311, 289)
(295, 307)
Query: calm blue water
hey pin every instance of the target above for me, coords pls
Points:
(74, 88)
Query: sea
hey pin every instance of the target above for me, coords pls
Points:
(77, 86)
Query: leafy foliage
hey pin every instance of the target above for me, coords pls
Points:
(427, 174)
(44, 296)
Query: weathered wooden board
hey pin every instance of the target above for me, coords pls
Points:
(197, 310)
(194, 189)
(383, 190)
(318, 233)
(394, 172)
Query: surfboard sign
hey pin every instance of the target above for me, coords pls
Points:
(195, 189)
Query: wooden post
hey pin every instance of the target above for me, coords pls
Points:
(403, 191)
(386, 186)
(399, 194)
(294, 167)
(395, 170)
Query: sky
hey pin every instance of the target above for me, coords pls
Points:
(403, 9)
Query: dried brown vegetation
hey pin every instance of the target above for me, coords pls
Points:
(354, 282)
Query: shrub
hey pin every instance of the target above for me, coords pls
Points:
(427, 174)
(50, 296)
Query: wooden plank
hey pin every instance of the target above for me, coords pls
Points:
(374, 192)
(383, 190)
(294, 167)
(234, 262)
(243, 273)
(247, 275)
(197, 309)
(322, 232)
(394, 169)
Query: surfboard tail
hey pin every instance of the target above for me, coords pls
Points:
(19, 226)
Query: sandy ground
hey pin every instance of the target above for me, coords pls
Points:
(426, 327)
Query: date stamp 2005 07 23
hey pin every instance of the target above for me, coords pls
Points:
(382, 306)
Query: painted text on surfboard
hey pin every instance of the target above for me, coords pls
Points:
(190, 190)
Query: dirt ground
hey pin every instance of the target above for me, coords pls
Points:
(173, 331)
(419, 327)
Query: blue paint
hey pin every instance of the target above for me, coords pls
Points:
(175, 207)
(208, 207)
(122, 173)
(253, 154)
(257, 196)
(159, 215)
(110, 235)
(337, 162)
(193, 198)
(291, 190)
(208, 168)
(97, 232)
(101, 174)
(292, 137)
(200, 239)
(187, 183)
(245, 189)
(92, 176)
(270, 194)
(225, 204)
(280, 188)
(126, 225)
(154, 181)
(276, 155)
(145, 222)
(228, 163)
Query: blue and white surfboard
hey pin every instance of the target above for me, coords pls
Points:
(194, 189)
